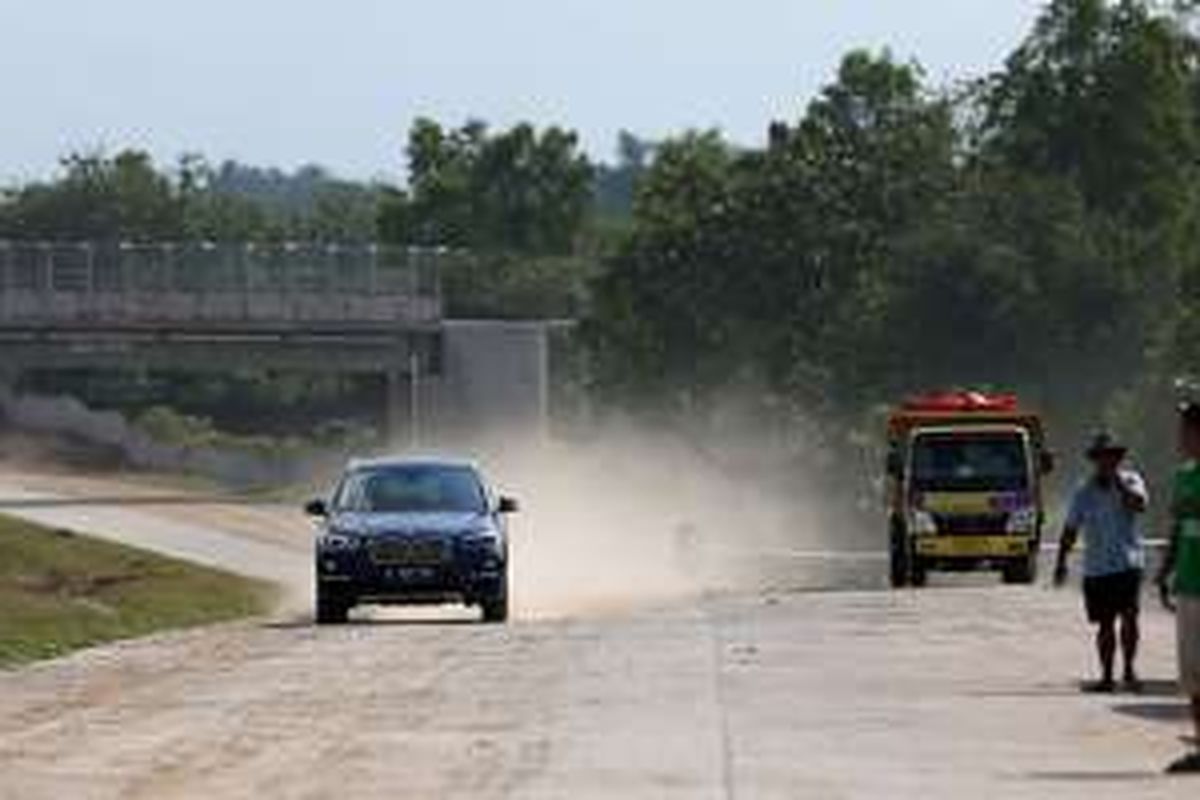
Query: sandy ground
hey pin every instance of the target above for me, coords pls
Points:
(948, 692)
(943, 693)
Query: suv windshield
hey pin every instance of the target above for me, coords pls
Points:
(425, 487)
(973, 462)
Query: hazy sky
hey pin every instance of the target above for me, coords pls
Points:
(284, 82)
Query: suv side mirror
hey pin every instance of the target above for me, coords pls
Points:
(507, 505)
(316, 508)
(1046, 462)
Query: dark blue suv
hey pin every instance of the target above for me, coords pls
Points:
(411, 531)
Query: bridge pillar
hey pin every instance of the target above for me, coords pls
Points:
(396, 411)
(403, 414)
(9, 375)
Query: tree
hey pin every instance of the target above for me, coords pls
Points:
(1102, 94)
(872, 159)
(615, 185)
(126, 197)
(520, 190)
(758, 265)
(96, 198)
(237, 202)
(653, 326)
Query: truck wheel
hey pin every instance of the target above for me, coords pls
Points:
(898, 556)
(331, 610)
(1023, 571)
(495, 609)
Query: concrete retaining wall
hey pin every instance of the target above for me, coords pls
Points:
(494, 377)
(66, 416)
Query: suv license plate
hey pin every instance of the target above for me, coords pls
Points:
(410, 574)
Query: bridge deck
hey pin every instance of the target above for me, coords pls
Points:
(229, 287)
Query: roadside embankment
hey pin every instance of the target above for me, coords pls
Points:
(60, 591)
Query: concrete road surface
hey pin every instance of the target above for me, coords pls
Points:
(949, 692)
(265, 541)
(941, 693)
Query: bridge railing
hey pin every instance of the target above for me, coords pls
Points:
(99, 283)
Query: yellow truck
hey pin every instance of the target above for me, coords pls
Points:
(965, 473)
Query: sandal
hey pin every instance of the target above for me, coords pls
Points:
(1185, 764)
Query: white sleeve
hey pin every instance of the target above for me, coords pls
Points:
(1135, 484)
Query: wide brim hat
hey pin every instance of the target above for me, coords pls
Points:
(1105, 444)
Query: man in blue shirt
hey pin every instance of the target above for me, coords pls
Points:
(1107, 508)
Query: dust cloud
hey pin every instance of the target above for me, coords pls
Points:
(622, 517)
(632, 516)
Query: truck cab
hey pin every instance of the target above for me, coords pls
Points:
(965, 486)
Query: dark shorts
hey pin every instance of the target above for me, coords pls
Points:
(1108, 596)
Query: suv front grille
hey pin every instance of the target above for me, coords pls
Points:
(408, 552)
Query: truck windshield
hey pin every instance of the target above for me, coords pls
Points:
(970, 462)
(412, 488)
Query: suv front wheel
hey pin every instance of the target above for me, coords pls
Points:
(495, 609)
(331, 609)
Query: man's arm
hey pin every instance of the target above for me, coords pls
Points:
(1066, 544)
(1163, 580)
(1070, 534)
(1167, 568)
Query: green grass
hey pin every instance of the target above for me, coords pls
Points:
(60, 592)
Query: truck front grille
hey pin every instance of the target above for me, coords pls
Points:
(971, 524)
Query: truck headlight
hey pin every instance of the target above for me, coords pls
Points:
(923, 523)
(1023, 520)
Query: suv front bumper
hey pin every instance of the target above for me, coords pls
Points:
(355, 575)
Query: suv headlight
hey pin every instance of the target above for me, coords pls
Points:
(923, 523)
(488, 541)
(1023, 520)
(338, 540)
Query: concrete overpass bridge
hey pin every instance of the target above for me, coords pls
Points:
(357, 309)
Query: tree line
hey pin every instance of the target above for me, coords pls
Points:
(520, 190)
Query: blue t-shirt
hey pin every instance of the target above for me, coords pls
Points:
(1112, 537)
